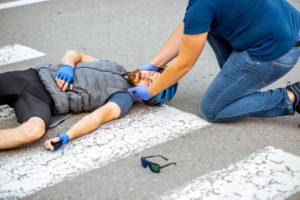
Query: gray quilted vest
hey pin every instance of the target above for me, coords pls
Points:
(94, 83)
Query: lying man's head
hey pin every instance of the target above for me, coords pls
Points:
(147, 78)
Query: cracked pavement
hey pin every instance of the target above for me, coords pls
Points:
(36, 168)
(266, 174)
(130, 33)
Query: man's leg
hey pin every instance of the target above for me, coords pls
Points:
(12, 84)
(33, 109)
(235, 94)
(31, 130)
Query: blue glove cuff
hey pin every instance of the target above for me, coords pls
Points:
(141, 92)
(153, 66)
(63, 138)
(149, 67)
(66, 65)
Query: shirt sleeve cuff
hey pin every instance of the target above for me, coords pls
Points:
(123, 100)
(196, 31)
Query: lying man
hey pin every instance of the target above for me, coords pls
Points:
(81, 84)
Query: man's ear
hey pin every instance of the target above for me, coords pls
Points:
(125, 75)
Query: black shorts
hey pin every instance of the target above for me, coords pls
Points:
(24, 91)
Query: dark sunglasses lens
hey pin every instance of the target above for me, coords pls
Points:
(154, 167)
(144, 162)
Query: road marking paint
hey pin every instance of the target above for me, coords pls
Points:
(18, 3)
(267, 174)
(16, 53)
(23, 173)
(6, 112)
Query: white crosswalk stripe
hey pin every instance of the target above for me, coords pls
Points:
(25, 173)
(267, 174)
(6, 112)
(12, 4)
(16, 53)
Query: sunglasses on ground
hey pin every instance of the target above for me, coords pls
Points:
(154, 167)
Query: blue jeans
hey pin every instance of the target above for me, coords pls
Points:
(235, 91)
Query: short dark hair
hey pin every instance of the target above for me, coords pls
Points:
(130, 77)
(159, 99)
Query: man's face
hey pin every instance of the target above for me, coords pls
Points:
(146, 78)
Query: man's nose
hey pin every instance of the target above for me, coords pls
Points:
(144, 76)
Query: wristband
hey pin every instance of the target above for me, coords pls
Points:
(63, 139)
(66, 65)
(149, 67)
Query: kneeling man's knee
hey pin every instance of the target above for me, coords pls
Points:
(208, 111)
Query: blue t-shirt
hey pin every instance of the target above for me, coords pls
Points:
(267, 29)
(123, 100)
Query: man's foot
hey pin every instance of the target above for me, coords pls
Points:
(295, 89)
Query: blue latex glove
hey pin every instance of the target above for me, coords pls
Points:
(141, 92)
(65, 73)
(149, 67)
(63, 139)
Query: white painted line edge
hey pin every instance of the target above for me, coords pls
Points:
(33, 169)
(18, 3)
(16, 53)
(6, 112)
(267, 174)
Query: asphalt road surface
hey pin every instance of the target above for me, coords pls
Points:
(256, 158)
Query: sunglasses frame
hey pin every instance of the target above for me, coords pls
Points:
(145, 163)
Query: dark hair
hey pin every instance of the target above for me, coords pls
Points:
(159, 99)
(130, 77)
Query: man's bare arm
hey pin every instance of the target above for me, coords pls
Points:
(72, 58)
(170, 49)
(89, 123)
(190, 50)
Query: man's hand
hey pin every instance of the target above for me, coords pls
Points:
(149, 67)
(64, 77)
(56, 143)
(141, 92)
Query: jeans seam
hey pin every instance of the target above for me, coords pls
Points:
(218, 96)
(290, 108)
(238, 116)
(262, 85)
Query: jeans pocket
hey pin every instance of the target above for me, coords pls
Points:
(244, 63)
(281, 66)
(288, 60)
